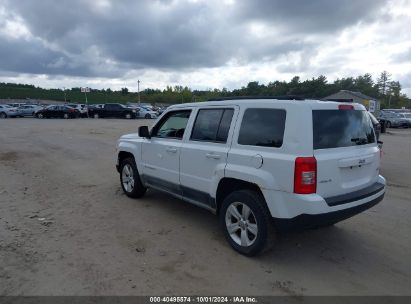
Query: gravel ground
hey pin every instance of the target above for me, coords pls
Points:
(67, 229)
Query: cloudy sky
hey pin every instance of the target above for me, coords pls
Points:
(201, 44)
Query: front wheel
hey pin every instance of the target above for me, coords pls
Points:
(3, 115)
(388, 124)
(128, 116)
(147, 116)
(40, 115)
(246, 222)
(66, 116)
(130, 179)
(96, 116)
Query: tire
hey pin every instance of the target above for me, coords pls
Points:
(66, 116)
(244, 239)
(128, 116)
(388, 125)
(130, 179)
(96, 116)
(40, 115)
(147, 116)
(3, 115)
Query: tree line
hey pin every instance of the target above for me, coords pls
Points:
(388, 91)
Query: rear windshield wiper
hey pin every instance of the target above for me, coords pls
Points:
(360, 141)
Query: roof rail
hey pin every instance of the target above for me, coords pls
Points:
(283, 97)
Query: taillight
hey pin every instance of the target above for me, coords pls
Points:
(305, 175)
(345, 107)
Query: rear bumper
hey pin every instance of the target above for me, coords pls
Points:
(310, 210)
(306, 221)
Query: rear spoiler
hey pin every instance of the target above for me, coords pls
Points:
(339, 99)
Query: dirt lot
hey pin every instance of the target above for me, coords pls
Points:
(67, 229)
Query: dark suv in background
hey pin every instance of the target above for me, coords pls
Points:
(112, 110)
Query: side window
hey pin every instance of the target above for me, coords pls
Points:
(110, 107)
(212, 125)
(172, 125)
(225, 124)
(262, 127)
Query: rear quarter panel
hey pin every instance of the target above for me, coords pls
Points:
(277, 168)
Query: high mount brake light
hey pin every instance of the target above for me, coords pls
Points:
(345, 107)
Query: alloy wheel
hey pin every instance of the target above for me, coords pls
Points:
(127, 177)
(241, 224)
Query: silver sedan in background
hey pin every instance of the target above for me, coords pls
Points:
(28, 110)
(8, 111)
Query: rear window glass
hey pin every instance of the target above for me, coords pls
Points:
(212, 125)
(262, 127)
(341, 128)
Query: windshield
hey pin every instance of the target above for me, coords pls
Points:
(341, 128)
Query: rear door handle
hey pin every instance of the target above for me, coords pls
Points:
(171, 150)
(213, 156)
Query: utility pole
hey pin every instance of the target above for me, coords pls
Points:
(138, 92)
(85, 90)
(64, 90)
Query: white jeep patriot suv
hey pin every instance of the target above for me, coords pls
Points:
(262, 165)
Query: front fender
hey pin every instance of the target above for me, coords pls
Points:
(133, 148)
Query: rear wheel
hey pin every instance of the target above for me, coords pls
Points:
(66, 116)
(3, 115)
(96, 116)
(247, 222)
(130, 179)
(147, 116)
(388, 124)
(128, 116)
(40, 115)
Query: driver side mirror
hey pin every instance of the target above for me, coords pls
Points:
(144, 132)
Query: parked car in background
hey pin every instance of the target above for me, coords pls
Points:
(113, 110)
(96, 105)
(82, 108)
(28, 110)
(58, 111)
(406, 116)
(393, 120)
(8, 111)
(145, 112)
(161, 110)
(16, 104)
